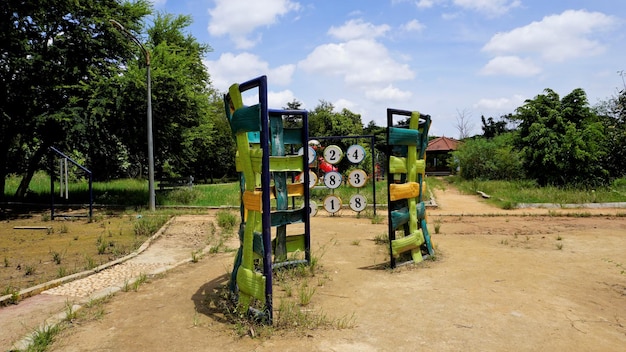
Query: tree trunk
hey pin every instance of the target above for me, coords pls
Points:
(33, 166)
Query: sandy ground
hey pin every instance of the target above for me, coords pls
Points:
(519, 280)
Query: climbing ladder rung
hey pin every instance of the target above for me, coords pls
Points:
(294, 243)
(251, 283)
(286, 217)
(404, 136)
(277, 163)
(399, 217)
(252, 200)
(404, 191)
(407, 243)
(246, 119)
(397, 165)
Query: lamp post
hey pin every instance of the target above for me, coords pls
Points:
(146, 54)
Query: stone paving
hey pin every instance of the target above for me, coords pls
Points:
(115, 276)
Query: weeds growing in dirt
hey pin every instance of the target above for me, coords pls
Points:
(383, 238)
(306, 294)
(437, 224)
(196, 256)
(62, 272)
(377, 219)
(226, 220)
(57, 257)
(29, 270)
(42, 337)
(559, 245)
(90, 263)
(143, 278)
(14, 292)
(148, 225)
(70, 312)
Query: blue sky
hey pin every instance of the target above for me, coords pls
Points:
(445, 58)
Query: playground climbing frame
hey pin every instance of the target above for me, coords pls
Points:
(406, 164)
(265, 170)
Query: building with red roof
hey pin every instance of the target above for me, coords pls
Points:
(438, 154)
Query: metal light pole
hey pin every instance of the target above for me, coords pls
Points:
(146, 54)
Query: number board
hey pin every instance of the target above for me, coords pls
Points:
(312, 208)
(357, 178)
(311, 154)
(356, 153)
(332, 179)
(333, 154)
(358, 202)
(332, 204)
(312, 178)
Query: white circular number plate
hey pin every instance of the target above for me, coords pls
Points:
(332, 204)
(358, 202)
(357, 178)
(312, 178)
(333, 154)
(311, 155)
(356, 153)
(332, 179)
(312, 208)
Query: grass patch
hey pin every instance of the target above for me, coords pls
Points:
(507, 194)
(43, 337)
(227, 220)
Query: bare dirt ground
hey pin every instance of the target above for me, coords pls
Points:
(517, 280)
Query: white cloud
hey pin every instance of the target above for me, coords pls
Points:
(555, 38)
(389, 93)
(413, 25)
(342, 103)
(239, 18)
(278, 100)
(510, 65)
(359, 62)
(230, 68)
(357, 29)
(489, 7)
(500, 104)
(425, 3)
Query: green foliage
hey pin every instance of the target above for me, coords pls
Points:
(226, 220)
(613, 115)
(324, 121)
(561, 140)
(149, 225)
(51, 53)
(508, 194)
(491, 159)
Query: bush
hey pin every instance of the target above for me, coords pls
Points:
(490, 159)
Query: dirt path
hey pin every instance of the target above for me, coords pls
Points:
(507, 281)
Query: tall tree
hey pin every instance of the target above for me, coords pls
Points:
(561, 140)
(50, 50)
(492, 128)
(613, 114)
(325, 121)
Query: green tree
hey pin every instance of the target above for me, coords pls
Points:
(561, 140)
(613, 115)
(489, 158)
(324, 121)
(492, 128)
(181, 96)
(50, 51)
